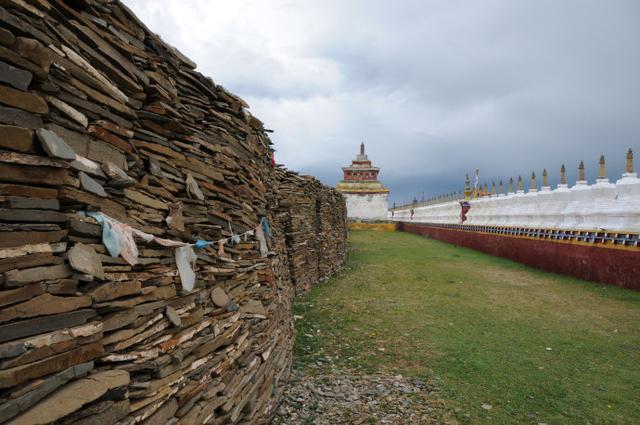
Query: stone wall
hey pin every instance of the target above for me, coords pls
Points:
(315, 229)
(102, 121)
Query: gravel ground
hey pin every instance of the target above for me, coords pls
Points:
(323, 394)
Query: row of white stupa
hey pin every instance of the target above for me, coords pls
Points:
(601, 206)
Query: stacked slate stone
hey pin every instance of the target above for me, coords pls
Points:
(312, 224)
(332, 231)
(97, 114)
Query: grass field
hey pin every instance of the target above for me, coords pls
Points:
(536, 347)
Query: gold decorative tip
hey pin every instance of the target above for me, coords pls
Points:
(563, 175)
(501, 188)
(629, 161)
(602, 173)
(581, 175)
(520, 185)
(545, 178)
(493, 187)
(467, 188)
(510, 184)
(534, 183)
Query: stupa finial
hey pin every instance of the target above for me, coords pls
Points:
(362, 148)
(629, 167)
(467, 188)
(534, 183)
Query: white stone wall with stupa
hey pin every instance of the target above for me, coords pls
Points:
(598, 208)
(365, 195)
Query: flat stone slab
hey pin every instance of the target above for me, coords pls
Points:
(253, 307)
(23, 100)
(43, 305)
(90, 185)
(32, 215)
(72, 397)
(54, 146)
(173, 316)
(36, 274)
(23, 202)
(118, 177)
(20, 118)
(16, 77)
(87, 166)
(113, 290)
(6, 37)
(219, 297)
(24, 373)
(84, 259)
(40, 325)
(16, 138)
(145, 200)
(48, 385)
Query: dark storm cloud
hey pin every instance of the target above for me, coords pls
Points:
(435, 88)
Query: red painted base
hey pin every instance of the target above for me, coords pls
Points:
(615, 266)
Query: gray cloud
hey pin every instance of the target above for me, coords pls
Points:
(435, 89)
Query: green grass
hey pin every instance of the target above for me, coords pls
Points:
(537, 347)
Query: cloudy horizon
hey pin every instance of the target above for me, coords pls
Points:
(434, 89)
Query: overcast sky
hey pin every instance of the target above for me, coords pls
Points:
(434, 88)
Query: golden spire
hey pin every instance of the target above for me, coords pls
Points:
(545, 178)
(563, 175)
(510, 184)
(493, 188)
(581, 176)
(486, 190)
(467, 188)
(476, 186)
(501, 188)
(602, 174)
(520, 186)
(629, 161)
(534, 183)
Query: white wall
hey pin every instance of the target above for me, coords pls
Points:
(445, 213)
(367, 207)
(602, 206)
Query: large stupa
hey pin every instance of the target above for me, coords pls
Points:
(366, 196)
